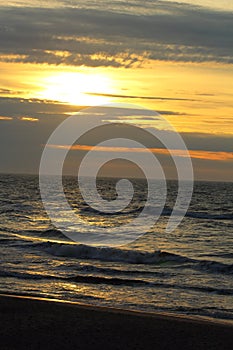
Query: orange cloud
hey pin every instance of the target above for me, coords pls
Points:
(198, 154)
(5, 118)
(211, 155)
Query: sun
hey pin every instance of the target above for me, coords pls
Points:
(77, 88)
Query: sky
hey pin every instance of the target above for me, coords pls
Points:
(172, 57)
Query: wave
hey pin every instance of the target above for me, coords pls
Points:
(119, 272)
(107, 280)
(78, 278)
(81, 251)
(126, 211)
(167, 211)
(203, 215)
(137, 257)
(221, 255)
(200, 214)
(214, 266)
(62, 248)
(46, 234)
(116, 281)
(52, 233)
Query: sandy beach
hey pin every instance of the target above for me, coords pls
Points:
(31, 323)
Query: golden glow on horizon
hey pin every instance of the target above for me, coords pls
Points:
(206, 106)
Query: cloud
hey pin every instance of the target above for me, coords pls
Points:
(35, 108)
(197, 154)
(94, 37)
(219, 156)
(139, 97)
(9, 92)
(2, 117)
(208, 142)
(29, 119)
(175, 113)
(51, 113)
(22, 141)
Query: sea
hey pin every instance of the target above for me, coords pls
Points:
(188, 271)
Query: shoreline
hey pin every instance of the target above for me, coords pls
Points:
(40, 323)
(157, 314)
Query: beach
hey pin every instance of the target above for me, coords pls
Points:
(31, 323)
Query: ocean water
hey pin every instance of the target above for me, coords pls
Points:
(188, 271)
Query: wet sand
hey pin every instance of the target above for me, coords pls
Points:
(31, 323)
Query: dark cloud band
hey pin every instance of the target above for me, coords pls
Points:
(106, 38)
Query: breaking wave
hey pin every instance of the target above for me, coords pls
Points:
(84, 252)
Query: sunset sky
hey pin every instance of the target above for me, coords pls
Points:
(173, 57)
